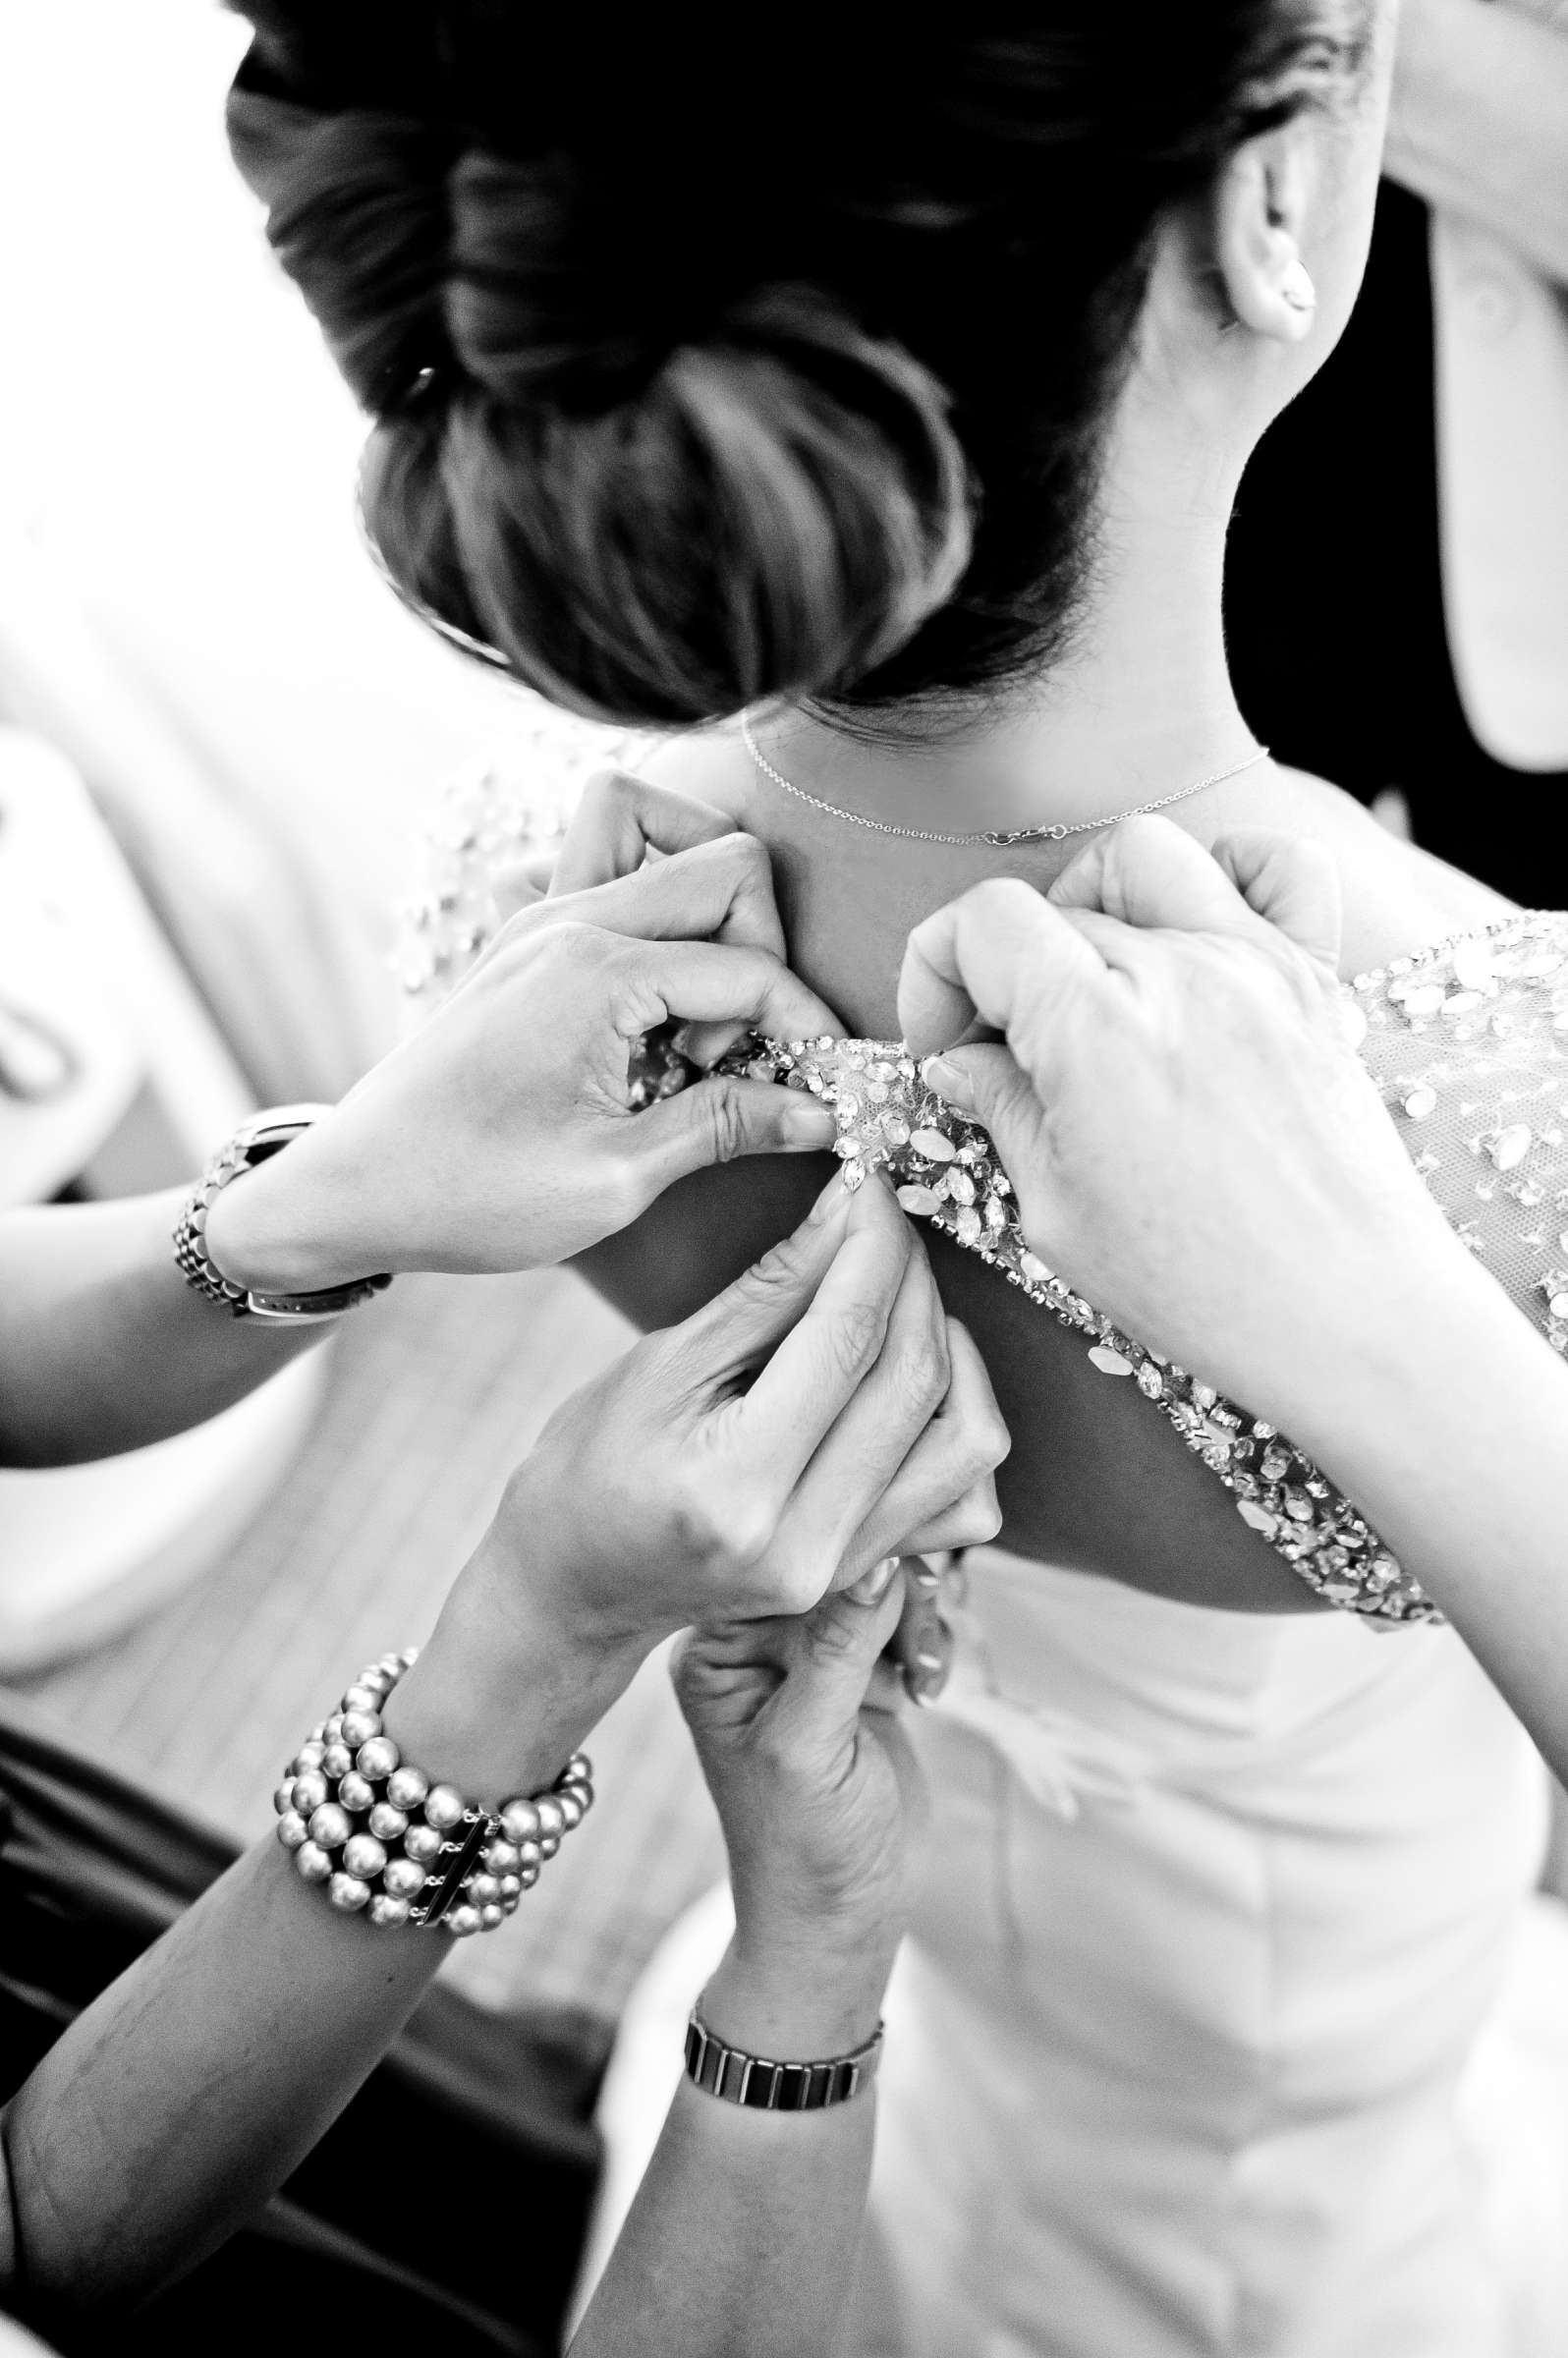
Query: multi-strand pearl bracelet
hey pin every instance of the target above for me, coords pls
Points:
(385, 1839)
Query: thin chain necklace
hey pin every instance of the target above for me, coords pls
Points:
(998, 836)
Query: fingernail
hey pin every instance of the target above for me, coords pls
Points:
(807, 1125)
(872, 1586)
(946, 1080)
(926, 1677)
(833, 1199)
(928, 1580)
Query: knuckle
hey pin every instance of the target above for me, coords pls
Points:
(999, 898)
(978, 1517)
(756, 973)
(780, 1580)
(829, 1637)
(748, 859)
(801, 1586)
(921, 1371)
(854, 1336)
(733, 848)
(987, 1439)
(778, 1272)
(743, 1529)
(773, 1751)
(699, 1519)
(607, 793)
(569, 942)
(724, 1117)
(620, 1193)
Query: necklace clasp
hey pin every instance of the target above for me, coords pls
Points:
(1001, 837)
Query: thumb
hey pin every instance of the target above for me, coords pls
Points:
(989, 1084)
(996, 952)
(1293, 886)
(719, 1117)
(1148, 871)
(834, 1654)
(751, 1317)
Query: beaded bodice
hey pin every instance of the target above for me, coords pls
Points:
(1467, 1040)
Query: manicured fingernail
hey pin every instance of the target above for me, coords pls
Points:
(872, 1586)
(833, 1198)
(946, 1080)
(925, 1680)
(807, 1125)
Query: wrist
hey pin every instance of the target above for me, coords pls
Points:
(270, 1229)
(1381, 1320)
(817, 1999)
(1306, 1321)
(572, 1556)
(504, 1692)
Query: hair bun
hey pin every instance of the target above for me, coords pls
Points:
(772, 512)
(358, 214)
(653, 502)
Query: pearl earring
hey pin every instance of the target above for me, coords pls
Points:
(1296, 287)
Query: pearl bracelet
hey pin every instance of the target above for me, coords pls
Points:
(384, 1837)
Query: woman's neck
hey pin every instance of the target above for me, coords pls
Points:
(1140, 706)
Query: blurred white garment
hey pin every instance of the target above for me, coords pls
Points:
(1501, 340)
(1193, 2072)
(16, 2342)
(186, 606)
(112, 1075)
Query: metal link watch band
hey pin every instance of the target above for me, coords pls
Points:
(264, 1134)
(765, 2086)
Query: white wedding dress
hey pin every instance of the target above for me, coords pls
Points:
(1259, 2049)
(1228, 2026)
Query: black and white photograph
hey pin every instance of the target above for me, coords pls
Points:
(784, 1179)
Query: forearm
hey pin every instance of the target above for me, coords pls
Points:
(1448, 1424)
(184, 2096)
(1481, 98)
(103, 1346)
(743, 2240)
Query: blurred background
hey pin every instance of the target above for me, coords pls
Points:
(222, 742)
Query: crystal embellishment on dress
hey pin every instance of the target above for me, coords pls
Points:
(1472, 1030)
(945, 1170)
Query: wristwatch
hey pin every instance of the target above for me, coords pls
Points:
(764, 2085)
(257, 1141)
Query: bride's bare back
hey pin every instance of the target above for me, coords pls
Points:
(1096, 1482)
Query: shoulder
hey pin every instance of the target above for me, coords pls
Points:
(709, 764)
(1397, 897)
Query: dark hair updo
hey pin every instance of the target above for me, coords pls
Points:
(706, 368)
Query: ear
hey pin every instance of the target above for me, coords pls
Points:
(1261, 202)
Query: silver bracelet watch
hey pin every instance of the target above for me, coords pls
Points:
(765, 2086)
(255, 1141)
